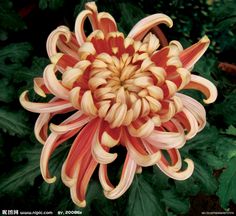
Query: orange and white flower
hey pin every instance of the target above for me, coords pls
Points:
(123, 91)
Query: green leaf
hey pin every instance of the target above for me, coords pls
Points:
(7, 91)
(52, 4)
(226, 148)
(206, 66)
(203, 176)
(188, 187)
(97, 203)
(2, 155)
(225, 111)
(47, 191)
(174, 202)
(231, 130)
(9, 19)
(227, 186)
(14, 122)
(36, 69)
(203, 140)
(210, 159)
(12, 57)
(158, 179)
(130, 15)
(23, 175)
(142, 199)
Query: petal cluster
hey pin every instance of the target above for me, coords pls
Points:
(122, 91)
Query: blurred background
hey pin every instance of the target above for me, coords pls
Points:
(24, 27)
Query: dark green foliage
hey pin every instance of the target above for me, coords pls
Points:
(15, 123)
(52, 4)
(146, 201)
(12, 58)
(152, 193)
(9, 19)
(227, 187)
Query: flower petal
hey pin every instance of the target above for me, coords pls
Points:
(205, 86)
(79, 26)
(54, 37)
(53, 84)
(53, 141)
(193, 53)
(188, 120)
(195, 108)
(80, 147)
(146, 24)
(78, 123)
(43, 107)
(103, 177)
(167, 140)
(106, 23)
(137, 151)
(78, 190)
(142, 130)
(127, 176)
(100, 153)
(109, 136)
(39, 87)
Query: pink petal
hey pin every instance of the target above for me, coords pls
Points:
(195, 108)
(166, 140)
(100, 153)
(137, 151)
(43, 107)
(106, 23)
(53, 84)
(103, 177)
(39, 87)
(141, 129)
(173, 170)
(205, 86)
(192, 54)
(52, 142)
(62, 61)
(79, 121)
(79, 26)
(83, 175)
(80, 147)
(109, 136)
(188, 120)
(146, 24)
(41, 125)
(127, 176)
(54, 37)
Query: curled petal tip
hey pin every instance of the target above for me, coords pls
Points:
(193, 53)
(205, 86)
(205, 39)
(23, 98)
(79, 203)
(50, 180)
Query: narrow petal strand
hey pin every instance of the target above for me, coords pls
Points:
(192, 54)
(43, 107)
(203, 85)
(144, 25)
(127, 176)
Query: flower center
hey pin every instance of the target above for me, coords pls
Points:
(120, 82)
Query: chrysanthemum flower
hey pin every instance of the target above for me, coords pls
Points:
(123, 91)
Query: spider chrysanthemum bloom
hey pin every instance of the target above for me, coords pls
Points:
(123, 91)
